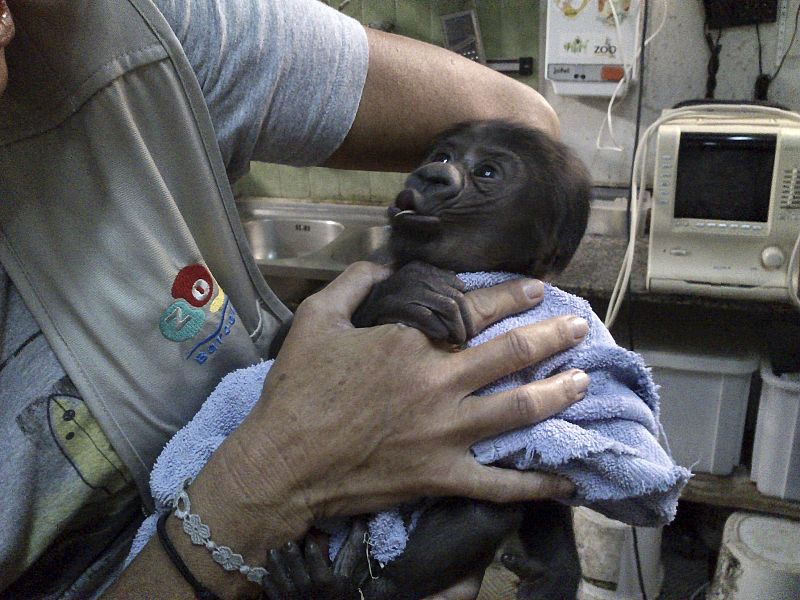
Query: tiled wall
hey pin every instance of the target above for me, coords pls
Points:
(509, 28)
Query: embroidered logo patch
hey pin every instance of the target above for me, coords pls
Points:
(181, 322)
(194, 292)
(194, 284)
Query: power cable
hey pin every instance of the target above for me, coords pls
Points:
(713, 60)
(763, 81)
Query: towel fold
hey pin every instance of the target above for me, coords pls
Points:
(606, 444)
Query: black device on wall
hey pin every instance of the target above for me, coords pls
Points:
(734, 13)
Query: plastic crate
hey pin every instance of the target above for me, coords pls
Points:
(776, 449)
(704, 396)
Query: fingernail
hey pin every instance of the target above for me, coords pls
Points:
(581, 383)
(579, 327)
(534, 289)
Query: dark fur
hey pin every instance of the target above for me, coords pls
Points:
(528, 218)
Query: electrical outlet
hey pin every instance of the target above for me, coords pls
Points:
(734, 13)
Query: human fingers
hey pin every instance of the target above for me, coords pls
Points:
(517, 348)
(485, 416)
(485, 306)
(340, 298)
(496, 484)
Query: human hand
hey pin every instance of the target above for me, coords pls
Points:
(354, 420)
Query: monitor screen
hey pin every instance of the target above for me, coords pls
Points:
(724, 177)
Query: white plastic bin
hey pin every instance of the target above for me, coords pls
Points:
(776, 450)
(703, 402)
(608, 562)
(759, 559)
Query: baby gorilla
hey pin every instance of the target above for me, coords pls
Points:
(491, 196)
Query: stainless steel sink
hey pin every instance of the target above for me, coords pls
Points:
(300, 246)
(358, 244)
(272, 237)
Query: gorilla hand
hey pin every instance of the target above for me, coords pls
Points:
(421, 296)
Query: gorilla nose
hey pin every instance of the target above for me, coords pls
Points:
(438, 180)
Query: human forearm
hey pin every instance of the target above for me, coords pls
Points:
(416, 90)
(352, 421)
(248, 523)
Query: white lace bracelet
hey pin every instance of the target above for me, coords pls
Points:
(200, 534)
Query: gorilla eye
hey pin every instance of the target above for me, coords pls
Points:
(485, 171)
(441, 157)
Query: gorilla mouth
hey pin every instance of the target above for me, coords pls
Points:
(405, 218)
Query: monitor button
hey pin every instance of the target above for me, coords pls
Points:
(772, 258)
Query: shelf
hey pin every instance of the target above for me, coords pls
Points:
(738, 492)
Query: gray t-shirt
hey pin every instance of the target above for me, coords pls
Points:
(282, 80)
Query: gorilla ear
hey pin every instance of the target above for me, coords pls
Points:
(572, 194)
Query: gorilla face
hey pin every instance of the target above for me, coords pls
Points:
(492, 196)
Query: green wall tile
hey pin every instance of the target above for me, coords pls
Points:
(378, 11)
(414, 19)
(385, 186)
(262, 180)
(294, 182)
(323, 184)
(352, 9)
(491, 24)
(354, 185)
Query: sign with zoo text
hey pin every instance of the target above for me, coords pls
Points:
(589, 44)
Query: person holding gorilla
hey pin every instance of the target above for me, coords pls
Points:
(120, 113)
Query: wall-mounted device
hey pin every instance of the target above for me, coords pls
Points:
(462, 35)
(726, 205)
(590, 45)
(735, 13)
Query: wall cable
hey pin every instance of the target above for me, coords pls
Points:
(630, 72)
(763, 81)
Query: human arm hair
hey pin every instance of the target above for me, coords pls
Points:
(415, 90)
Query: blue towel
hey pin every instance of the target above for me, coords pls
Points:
(606, 444)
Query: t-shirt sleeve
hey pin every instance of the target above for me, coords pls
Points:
(282, 78)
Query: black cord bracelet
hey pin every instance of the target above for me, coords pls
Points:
(200, 591)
